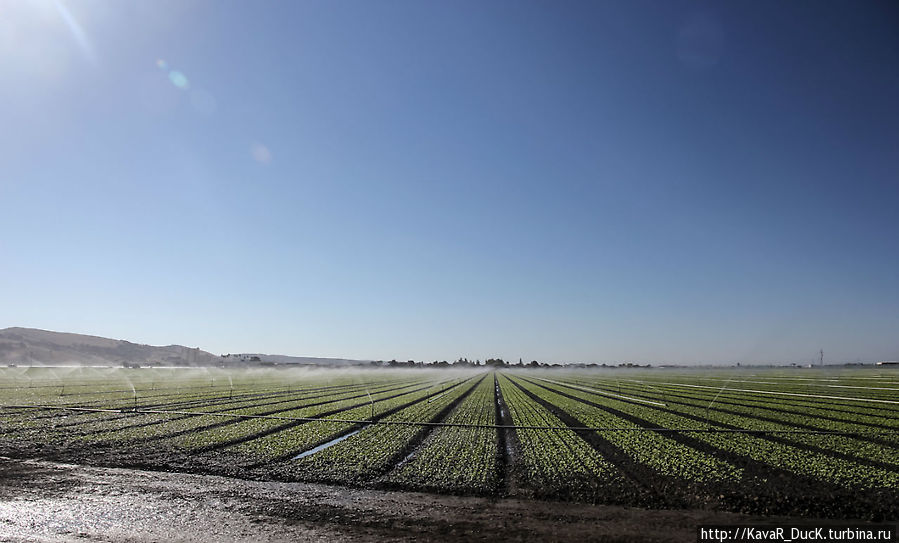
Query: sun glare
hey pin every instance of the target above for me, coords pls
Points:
(43, 38)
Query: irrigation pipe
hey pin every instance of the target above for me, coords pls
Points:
(454, 424)
(601, 392)
(845, 398)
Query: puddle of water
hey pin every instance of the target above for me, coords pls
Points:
(324, 446)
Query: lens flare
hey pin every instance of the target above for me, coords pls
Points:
(162, 65)
(179, 80)
(261, 153)
(78, 33)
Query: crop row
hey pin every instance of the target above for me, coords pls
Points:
(457, 459)
(658, 451)
(755, 458)
(760, 448)
(295, 439)
(376, 448)
(855, 416)
(751, 414)
(198, 431)
(555, 462)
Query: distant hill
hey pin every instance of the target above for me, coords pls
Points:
(25, 346)
(31, 346)
(281, 359)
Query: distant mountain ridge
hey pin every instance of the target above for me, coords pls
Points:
(26, 346)
(33, 346)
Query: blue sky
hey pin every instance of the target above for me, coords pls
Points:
(586, 181)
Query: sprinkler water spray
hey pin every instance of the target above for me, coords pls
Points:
(662, 392)
(708, 420)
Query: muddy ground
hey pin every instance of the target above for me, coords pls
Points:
(44, 501)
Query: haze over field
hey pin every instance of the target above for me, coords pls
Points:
(653, 182)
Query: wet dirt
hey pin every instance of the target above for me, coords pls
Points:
(44, 501)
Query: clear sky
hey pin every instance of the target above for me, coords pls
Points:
(572, 181)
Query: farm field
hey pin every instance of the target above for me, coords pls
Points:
(810, 442)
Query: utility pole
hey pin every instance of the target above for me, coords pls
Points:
(821, 358)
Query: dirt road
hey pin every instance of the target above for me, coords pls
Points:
(43, 501)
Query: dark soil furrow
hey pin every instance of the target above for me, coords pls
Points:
(846, 405)
(724, 400)
(214, 400)
(652, 487)
(94, 418)
(700, 445)
(507, 446)
(142, 442)
(282, 401)
(424, 431)
(769, 489)
(281, 427)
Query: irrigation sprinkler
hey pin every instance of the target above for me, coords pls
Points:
(708, 418)
(660, 391)
(372, 403)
